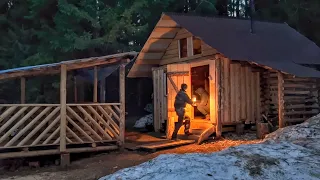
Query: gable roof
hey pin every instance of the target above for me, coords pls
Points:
(272, 44)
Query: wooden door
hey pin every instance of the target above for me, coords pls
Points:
(177, 74)
(159, 97)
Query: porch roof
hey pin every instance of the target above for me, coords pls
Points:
(54, 68)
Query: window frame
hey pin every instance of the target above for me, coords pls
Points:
(189, 47)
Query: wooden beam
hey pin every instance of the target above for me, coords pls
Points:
(63, 108)
(122, 92)
(55, 69)
(22, 90)
(150, 55)
(95, 84)
(218, 78)
(148, 61)
(280, 100)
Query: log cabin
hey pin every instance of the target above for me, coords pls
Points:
(248, 74)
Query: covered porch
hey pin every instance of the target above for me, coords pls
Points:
(64, 128)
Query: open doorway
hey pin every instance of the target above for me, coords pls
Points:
(199, 79)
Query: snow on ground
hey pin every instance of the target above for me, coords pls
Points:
(289, 153)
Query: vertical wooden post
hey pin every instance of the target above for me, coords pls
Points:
(219, 97)
(95, 85)
(280, 100)
(23, 90)
(63, 115)
(122, 101)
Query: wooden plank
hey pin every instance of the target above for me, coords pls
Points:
(52, 136)
(27, 127)
(63, 107)
(95, 85)
(83, 122)
(47, 129)
(8, 111)
(218, 77)
(164, 98)
(258, 97)
(248, 95)
(75, 125)
(122, 92)
(165, 144)
(160, 97)
(18, 124)
(253, 90)
(155, 104)
(237, 88)
(156, 100)
(150, 56)
(213, 92)
(97, 115)
(13, 118)
(233, 90)
(280, 100)
(226, 91)
(173, 84)
(178, 73)
(205, 135)
(39, 126)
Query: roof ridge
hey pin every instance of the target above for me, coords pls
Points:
(219, 17)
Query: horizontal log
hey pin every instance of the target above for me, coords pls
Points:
(295, 120)
(96, 104)
(298, 106)
(291, 113)
(28, 105)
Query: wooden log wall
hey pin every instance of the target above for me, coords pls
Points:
(300, 96)
(241, 93)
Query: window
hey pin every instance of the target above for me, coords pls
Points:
(183, 47)
(189, 47)
(196, 46)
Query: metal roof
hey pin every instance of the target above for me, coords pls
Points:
(56, 66)
(272, 44)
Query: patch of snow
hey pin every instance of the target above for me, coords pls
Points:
(289, 153)
(258, 161)
(145, 120)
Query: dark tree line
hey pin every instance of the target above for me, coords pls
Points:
(47, 31)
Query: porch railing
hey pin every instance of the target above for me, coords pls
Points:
(33, 125)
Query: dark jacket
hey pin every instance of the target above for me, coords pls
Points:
(182, 99)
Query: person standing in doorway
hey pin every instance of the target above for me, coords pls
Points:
(204, 105)
(181, 100)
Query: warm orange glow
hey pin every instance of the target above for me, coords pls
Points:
(194, 99)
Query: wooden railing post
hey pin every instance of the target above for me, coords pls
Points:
(122, 102)
(65, 159)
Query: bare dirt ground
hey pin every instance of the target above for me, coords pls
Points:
(102, 164)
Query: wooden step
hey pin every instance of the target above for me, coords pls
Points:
(165, 144)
